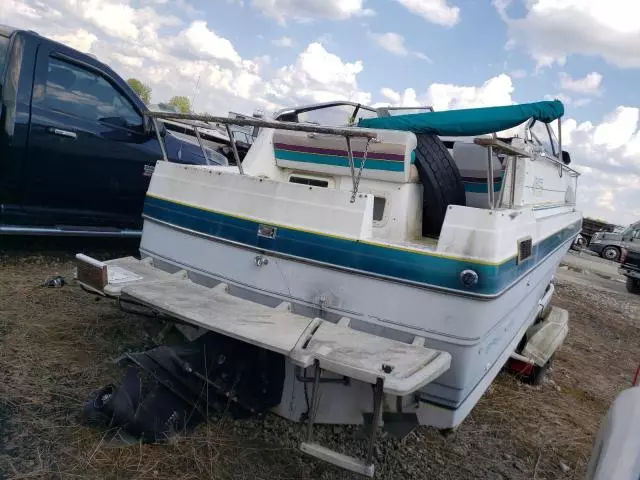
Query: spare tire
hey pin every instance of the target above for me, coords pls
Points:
(441, 182)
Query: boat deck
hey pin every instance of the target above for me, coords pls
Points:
(426, 244)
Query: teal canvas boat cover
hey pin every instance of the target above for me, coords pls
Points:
(470, 121)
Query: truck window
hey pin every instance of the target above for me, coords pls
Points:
(83, 93)
(4, 53)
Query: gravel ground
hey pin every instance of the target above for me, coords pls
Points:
(57, 345)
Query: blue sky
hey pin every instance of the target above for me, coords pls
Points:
(267, 54)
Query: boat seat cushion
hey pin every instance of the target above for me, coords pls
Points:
(389, 159)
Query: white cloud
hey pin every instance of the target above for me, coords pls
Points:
(172, 61)
(19, 8)
(566, 100)
(80, 40)
(308, 10)
(588, 85)
(434, 11)
(501, 6)
(318, 76)
(114, 18)
(617, 128)
(206, 41)
(608, 156)
(326, 39)
(391, 42)
(552, 30)
(283, 41)
(494, 92)
(444, 96)
(391, 95)
(127, 60)
(422, 56)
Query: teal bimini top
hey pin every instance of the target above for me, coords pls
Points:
(470, 121)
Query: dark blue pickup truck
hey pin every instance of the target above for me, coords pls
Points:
(76, 151)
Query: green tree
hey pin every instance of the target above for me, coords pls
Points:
(182, 103)
(143, 90)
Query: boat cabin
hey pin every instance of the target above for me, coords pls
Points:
(413, 178)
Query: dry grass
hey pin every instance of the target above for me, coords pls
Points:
(57, 345)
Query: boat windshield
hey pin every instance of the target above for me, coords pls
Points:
(395, 111)
(540, 134)
(554, 141)
(334, 114)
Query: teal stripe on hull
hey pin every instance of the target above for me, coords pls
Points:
(336, 161)
(415, 267)
(481, 187)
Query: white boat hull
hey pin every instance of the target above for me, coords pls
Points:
(478, 332)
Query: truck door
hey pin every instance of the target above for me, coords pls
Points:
(87, 148)
(631, 239)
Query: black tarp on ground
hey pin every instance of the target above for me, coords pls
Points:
(171, 388)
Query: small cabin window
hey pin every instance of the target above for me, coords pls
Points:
(378, 208)
(313, 182)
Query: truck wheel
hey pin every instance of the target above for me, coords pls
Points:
(611, 253)
(441, 182)
(633, 285)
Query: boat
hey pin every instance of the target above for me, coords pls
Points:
(211, 135)
(396, 263)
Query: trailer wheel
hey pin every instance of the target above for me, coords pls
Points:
(579, 243)
(537, 375)
(611, 253)
(633, 285)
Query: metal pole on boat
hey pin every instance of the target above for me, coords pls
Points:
(259, 122)
(156, 127)
(315, 400)
(560, 139)
(235, 150)
(377, 404)
(512, 196)
(490, 176)
(351, 164)
(204, 152)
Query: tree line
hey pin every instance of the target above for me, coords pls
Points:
(180, 102)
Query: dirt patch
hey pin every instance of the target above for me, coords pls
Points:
(58, 345)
